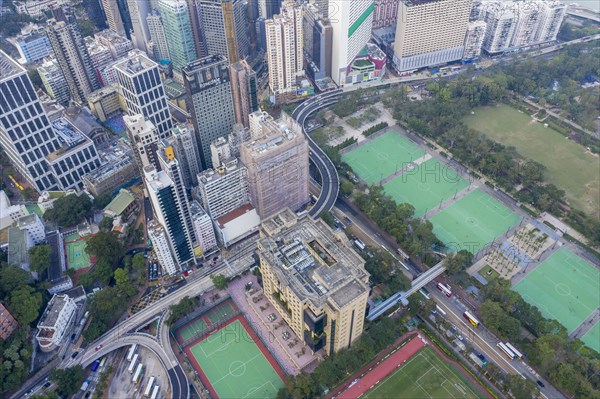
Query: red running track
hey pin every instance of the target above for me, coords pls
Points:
(384, 369)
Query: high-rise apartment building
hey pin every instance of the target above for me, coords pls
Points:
(168, 207)
(318, 39)
(160, 48)
(53, 324)
(183, 143)
(284, 48)
(552, 17)
(210, 101)
(113, 16)
(73, 58)
(314, 279)
(474, 40)
(385, 14)
(178, 31)
(224, 28)
(143, 91)
(430, 32)
(351, 23)
(101, 56)
(29, 139)
(161, 247)
(277, 162)
(203, 228)
(54, 81)
(501, 19)
(244, 89)
(119, 46)
(143, 137)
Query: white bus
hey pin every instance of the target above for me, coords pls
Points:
(440, 310)
(131, 352)
(424, 292)
(149, 387)
(155, 392)
(138, 374)
(509, 354)
(133, 364)
(514, 350)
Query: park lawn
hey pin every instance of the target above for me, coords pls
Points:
(569, 166)
(425, 375)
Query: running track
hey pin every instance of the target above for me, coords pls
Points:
(395, 360)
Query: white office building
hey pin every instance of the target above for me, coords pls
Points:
(143, 137)
(160, 246)
(54, 322)
(34, 227)
(206, 240)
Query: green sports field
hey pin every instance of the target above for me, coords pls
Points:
(592, 337)
(196, 327)
(77, 257)
(473, 221)
(235, 366)
(381, 157)
(564, 287)
(568, 164)
(425, 186)
(425, 375)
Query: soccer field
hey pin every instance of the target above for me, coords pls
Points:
(425, 375)
(564, 287)
(592, 337)
(568, 164)
(472, 222)
(234, 365)
(378, 158)
(425, 186)
(77, 257)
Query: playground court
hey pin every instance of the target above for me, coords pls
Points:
(426, 186)
(214, 316)
(472, 222)
(563, 287)
(77, 257)
(380, 157)
(592, 337)
(233, 363)
(425, 375)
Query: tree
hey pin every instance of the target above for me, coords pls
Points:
(346, 187)
(124, 282)
(521, 388)
(69, 210)
(328, 218)
(102, 200)
(106, 224)
(40, 258)
(25, 304)
(68, 380)
(185, 306)
(11, 278)
(220, 281)
(105, 246)
(458, 262)
(35, 78)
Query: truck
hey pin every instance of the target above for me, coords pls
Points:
(359, 244)
(95, 365)
(476, 360)
(85, 385)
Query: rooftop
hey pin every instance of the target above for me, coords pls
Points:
(53, 310)
(274, 134)
(311, 260)
(8, 66)
(135, 64)
(212, 175)
(120, 202)
(236, 213)
(67, 133)
(17, 242)
(103, 92)
(53, 239)
(27, 220)
(203, 63)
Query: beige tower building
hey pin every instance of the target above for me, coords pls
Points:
(430, 32)
(284, 35)
(277, 160)
(316, 281)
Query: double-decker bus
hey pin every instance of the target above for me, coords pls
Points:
(509, 354)
(514, 350)
(472, 319)
(445, 289)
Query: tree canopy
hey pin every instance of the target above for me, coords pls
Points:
(69, 210)
(68, 380)
(40, 258)
(220, 281)
(105, 246)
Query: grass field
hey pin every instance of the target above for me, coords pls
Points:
(234, 364)
(473, 221)
(568, 164)
(425, 186)
(425, 375)
(77, 258)
(381, 157)
(564, 287)
(592, 337)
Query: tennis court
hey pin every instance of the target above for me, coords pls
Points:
(472, 222)
(233, 363)
(592, 337)
(193, 328)
(425, 375)
(426, 186)
(564, 287)
(382, 156)
(77, 257)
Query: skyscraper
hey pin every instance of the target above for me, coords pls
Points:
(277, 162)
(501, 20)
(244, 88)
(143, 139)
(161, 247)
(209, 101)
(318, 37)
(178, 31)
(351, 23)
(113, 16)
(224, 27)
(430, 32)
(168, 209)
(386, 13)
(73, 58)
(143, 91)
(138, 12)
(183, 143)
(474, 39)
(284, 48)
(160, 48)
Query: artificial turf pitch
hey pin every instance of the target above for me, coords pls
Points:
(189, 330)
(425, 375)
(426, 186)
(233, 363)
(563, 287)
(379, 158)
(592, 337)
(472, 222)
(77, 257)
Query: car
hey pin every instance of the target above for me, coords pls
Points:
(46, 385)
(540, 383)
(479, 355)
(215, 258)
(74, 355)
(87, 394)
(99, 347)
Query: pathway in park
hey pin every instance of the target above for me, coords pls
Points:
(407, 168)
(450, 201)
(586, 325)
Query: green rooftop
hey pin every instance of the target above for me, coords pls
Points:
(120, 202)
